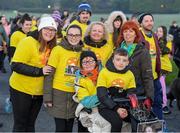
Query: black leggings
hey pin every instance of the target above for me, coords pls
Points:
(64, 125)
(25, 110)
(112, 117)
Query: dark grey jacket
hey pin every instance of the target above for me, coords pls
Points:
(141, 67)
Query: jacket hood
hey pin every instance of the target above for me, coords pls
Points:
(110, 66)
(111, 18)
(34, 34)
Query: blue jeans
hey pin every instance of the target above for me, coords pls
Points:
(157, 105)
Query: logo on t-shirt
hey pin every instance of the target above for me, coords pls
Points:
(152, 51)
(118, 83)
(71, 66)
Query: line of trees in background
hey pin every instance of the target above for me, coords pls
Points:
(98, 6)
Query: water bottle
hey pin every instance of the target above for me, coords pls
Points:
(8, 106)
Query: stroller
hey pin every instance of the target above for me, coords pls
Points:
(142, 120)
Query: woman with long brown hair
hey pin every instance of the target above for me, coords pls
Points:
(59, 84)
(29, 67)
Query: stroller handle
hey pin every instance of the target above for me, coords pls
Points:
(119, 100)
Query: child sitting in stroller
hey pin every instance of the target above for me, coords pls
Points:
(85, 87)
(113, 82)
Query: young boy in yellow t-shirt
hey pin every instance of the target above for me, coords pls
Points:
(112, 82)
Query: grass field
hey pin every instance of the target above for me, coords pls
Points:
(160, 19)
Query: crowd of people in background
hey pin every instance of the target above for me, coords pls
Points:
(71, 66)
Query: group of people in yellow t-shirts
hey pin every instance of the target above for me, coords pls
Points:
(91, 64)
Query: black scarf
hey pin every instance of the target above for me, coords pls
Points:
(66, 45)
(91, 43)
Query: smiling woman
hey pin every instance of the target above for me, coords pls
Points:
(73, 38)
(96, 40)
(29, 67)
(59, 85)
(129, 39)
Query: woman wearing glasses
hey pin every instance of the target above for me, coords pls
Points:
(29, 67)
(59, 85)
(96, 40)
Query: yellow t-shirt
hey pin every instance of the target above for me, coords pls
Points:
(34, 27)
(110, 40)
(65, 62)
(103, 53)
(111, 79)
(169, 45)
(28, 53)
(16, 37)
(165, 61)
(86, 88)
(152, 51)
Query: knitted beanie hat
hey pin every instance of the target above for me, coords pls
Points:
(47, 22)
(84, 7)
(87, 53)
(141, 16)
(57, 16)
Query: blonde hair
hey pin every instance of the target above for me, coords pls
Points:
(105, 34)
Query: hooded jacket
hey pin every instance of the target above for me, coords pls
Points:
(111, 18)
(140, 62)
(113, 33)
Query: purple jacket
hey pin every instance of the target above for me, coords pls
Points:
(146, 43)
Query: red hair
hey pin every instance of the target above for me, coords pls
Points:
(129, 25)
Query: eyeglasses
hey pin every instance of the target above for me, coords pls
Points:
(74, 35)
(49, 30)
(88, 62)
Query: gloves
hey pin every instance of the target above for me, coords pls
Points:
(148, 103)
(133, 101)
